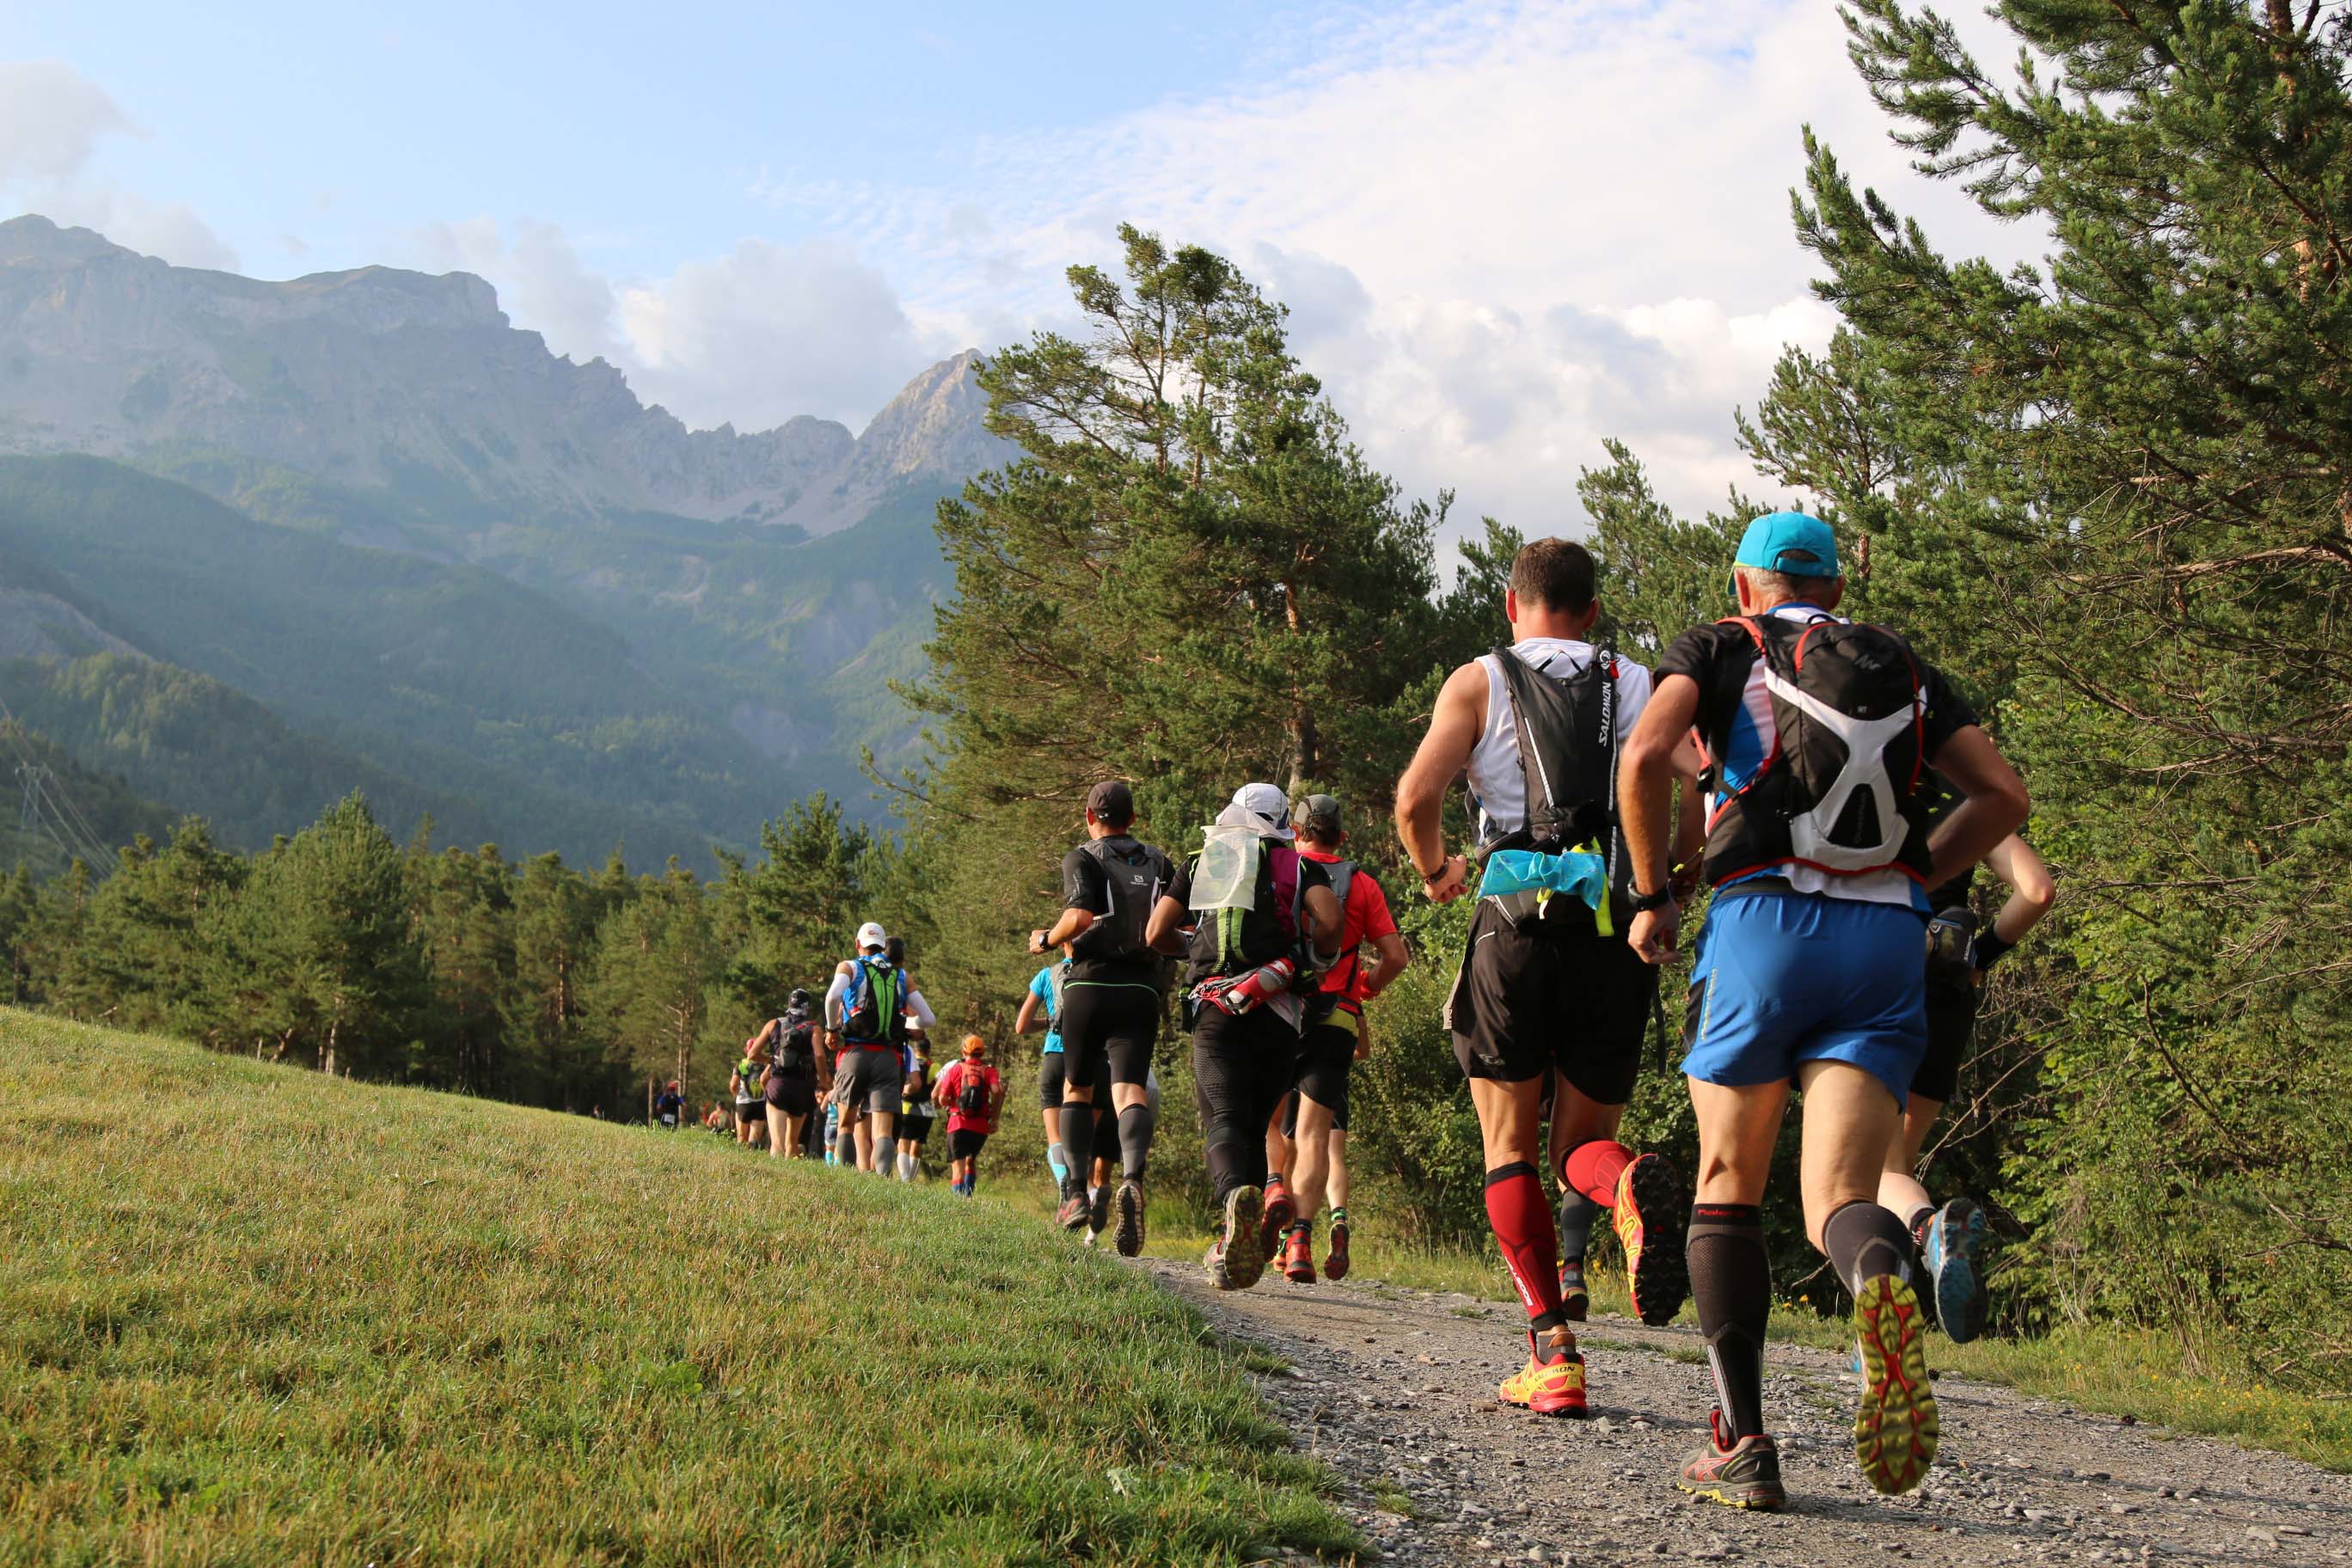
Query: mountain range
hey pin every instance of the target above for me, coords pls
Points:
(442, 560)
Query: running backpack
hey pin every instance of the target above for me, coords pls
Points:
(971, 1094)
(1132, 874)
(1565, 728)
(1842, 791)
(1236, 940)
(875, 1012)
(795, 1048)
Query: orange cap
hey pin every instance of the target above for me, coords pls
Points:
(973, 1045)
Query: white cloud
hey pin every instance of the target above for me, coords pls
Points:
(767, 332)
(52, 123)
(542, 284)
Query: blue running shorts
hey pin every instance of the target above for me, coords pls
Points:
(1784, 978)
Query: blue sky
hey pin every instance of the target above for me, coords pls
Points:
(1505, 230)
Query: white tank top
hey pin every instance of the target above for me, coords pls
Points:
(1498, 794)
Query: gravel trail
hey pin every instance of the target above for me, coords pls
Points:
(1395, 1389)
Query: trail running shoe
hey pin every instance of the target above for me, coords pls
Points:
(1130, 1236)
(1574, 1299)
(1237, 1268)
(1335, 1262)
(1552, 1383)
(1896, 1429)
(1099, 1210)
(1746, 1474)
(1650, 1214)
(1950, 1248)
(1299, 1256)
(1278, 1213)
(1074, 1214)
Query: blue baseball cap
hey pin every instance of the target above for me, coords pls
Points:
(1772, 539)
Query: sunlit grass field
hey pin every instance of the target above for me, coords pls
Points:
(251, 1315)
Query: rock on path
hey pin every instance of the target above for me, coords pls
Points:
(1395, 1389)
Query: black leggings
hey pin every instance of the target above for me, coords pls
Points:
(1113, 1023)
(1241, 1069)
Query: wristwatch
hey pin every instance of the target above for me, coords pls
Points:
(1644, 902)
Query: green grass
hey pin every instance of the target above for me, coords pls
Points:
(252, 1315)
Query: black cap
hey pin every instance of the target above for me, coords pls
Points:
(1111, 803)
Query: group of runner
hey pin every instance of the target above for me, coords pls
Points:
(1830, 788)
(869, 1044)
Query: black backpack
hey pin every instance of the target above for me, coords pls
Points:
(1132, 874)
(795, 1048)
(1235, 941)
(1844, 788)
(879, 1015)
(1567, 732)
(971, 1094)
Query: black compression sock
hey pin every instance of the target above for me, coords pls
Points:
(1078, 1144)
(1227, 1170)
(1135, 1128)
(1731, 1284)
(1576, 1216)
(1863, 1241)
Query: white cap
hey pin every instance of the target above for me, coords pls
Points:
(1260, 807)
(871, 934)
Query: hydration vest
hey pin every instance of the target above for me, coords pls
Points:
(1566, 728)
(1236, 940)
(748, 1072)
(795, 1047)
(1131, 878)
(873, 1013)
(1842, 791)
(971, 1094)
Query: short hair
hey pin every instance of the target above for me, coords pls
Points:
(1780, 586)
(1556, 573)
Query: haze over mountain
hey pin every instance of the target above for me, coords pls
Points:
(693, 629)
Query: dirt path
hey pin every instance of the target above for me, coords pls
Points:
(1396, 1390)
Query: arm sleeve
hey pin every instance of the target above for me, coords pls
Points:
(832, 997)
(922, 1010)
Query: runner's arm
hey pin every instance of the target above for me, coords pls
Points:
(1444, 752)
(768, 1035)
(1075, 923)
(1026, 1021)
(834, 996)
(1996, 805)
(1690, 816)
(922, 1011)
(2031, 890)
(1646, 782)
(1394, 956)
(1166, 931)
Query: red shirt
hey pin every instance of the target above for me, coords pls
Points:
(1364, 919)
(951, 1089)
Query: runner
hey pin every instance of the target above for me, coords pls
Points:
(1547, 998)
(868, 1007)
(1314, 1125)
(669, 1107)
(790, 1086)
(751, 1101)
(1267, 925)
(1039, 1009)
(973, 1092)
(1111, 1007)
(1808, 971)
(915, 1112)
(1958, 954)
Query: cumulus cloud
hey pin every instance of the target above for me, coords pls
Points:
(769, 330)
(542, 284)
(52, 122)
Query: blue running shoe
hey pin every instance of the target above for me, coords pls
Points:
(1954, 1235)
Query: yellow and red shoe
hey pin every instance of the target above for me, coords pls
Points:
(1552, 1383)
(1894, 1431)
(1650, 1216)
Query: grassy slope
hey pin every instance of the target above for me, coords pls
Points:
(248, 1314)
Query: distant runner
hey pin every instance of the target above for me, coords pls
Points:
(1808, 972)
(1111, 1005)
(915, 1113)
(1958, 954)
(1040, 1007)
(750, 1101)
(791, 1083)
(1549, 998)
(669, 1107)
(868, 1008)
(1264, 924)
(1315, 1121)
(972, 1092)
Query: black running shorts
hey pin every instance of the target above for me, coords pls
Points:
(1951, 1024)
(914, 1129)
(792, 1095)
(1325, 1057)
(1555, 995)
(870, 1080)
(1051, 1081)
(965, 1143)
(1114, 1023)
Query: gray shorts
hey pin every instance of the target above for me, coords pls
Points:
(868, 1081)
